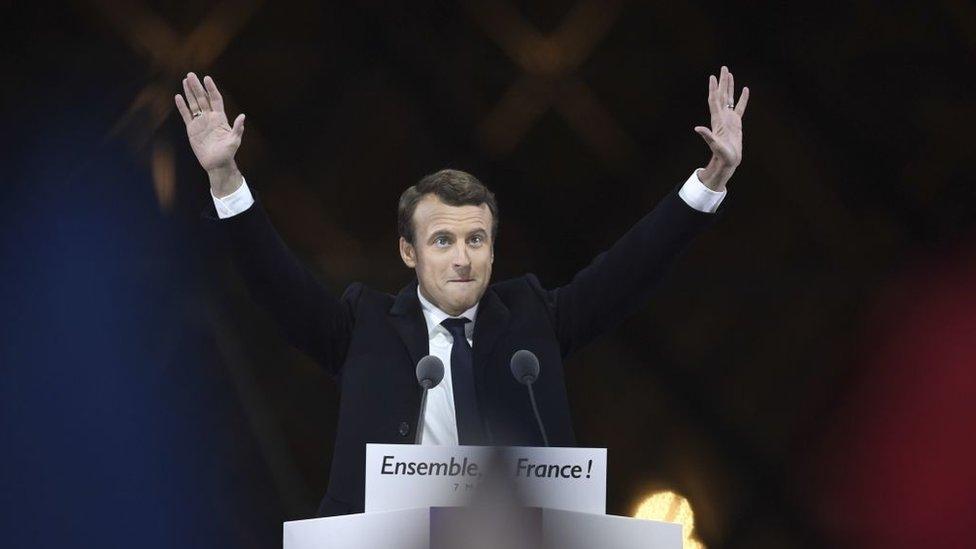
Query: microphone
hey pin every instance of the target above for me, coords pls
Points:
(430, 372)
(525, 368)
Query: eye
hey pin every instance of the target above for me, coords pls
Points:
(441, 241)
(477, 240)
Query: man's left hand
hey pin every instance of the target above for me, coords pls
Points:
(724, 138)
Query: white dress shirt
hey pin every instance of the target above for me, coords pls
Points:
(440, 421)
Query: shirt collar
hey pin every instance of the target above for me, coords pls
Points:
(434, 316)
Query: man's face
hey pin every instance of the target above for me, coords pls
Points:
(452, 253)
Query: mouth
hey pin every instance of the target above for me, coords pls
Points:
(462, 280)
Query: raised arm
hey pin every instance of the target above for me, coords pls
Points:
(620, 280)
(310, 317)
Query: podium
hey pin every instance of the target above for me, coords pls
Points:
(431, 528)
(424, 497)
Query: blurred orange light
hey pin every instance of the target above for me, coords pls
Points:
(670, 507)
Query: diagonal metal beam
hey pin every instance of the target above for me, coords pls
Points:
(548, 63)
(171, 54)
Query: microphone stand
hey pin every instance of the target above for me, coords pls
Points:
(426, 384)
(535, 409)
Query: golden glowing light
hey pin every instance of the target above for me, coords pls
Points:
(164, 174)
(670, 507)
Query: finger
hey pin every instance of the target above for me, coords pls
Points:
(238, 128)
(216, 100)
(201, 94)
(723, 83)
(706, 135)
(731, 89)
(713, 101)
(184, 110)
(191, 99)
(740, 109)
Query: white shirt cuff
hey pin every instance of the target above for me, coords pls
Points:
(234, 203)
(700, 197)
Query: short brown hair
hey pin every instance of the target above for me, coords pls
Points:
(452, 187)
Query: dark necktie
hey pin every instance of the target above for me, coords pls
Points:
(462, 379)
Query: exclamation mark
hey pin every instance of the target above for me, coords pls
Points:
(589, 468)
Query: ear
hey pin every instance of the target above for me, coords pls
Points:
(408, 253)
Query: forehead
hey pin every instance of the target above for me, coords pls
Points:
(433, 215)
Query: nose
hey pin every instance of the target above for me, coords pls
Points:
(462, 259)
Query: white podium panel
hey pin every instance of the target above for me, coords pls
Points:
(578, 530)
(471, 528)
(403, 529)
(402, 476)
(476, 497)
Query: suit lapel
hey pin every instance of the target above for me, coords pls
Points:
(408, 320)
(492, 321)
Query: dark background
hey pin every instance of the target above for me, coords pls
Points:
(144, 397)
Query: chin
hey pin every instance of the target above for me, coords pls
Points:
(465, 303)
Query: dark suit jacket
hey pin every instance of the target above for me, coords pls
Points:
(370, 341)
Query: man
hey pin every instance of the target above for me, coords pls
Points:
(371, 341)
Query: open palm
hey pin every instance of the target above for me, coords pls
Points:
(213, 140)
(724, 138)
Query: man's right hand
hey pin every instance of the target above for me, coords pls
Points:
(212, 139)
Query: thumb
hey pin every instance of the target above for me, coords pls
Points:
(706, 134)
(238, 128)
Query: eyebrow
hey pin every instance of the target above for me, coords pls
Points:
(445, 232)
